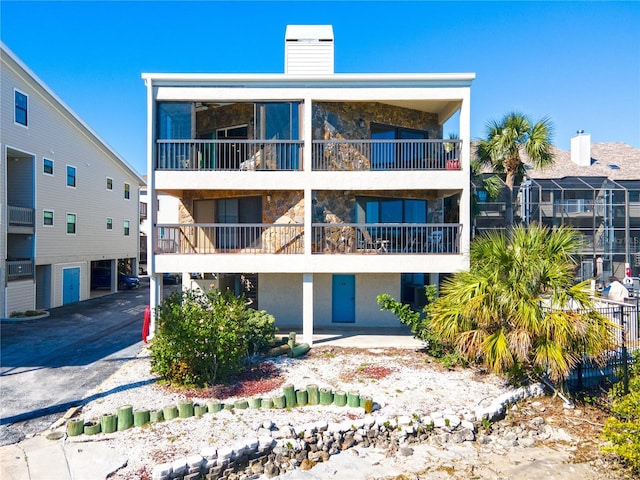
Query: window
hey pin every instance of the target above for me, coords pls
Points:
(109, 223)
(71, 223)
(127, 191)
(71, 176)
(126, 228)
(47, 218)
(396, 155)
(47, 166)
(109, 183)
(22, 108)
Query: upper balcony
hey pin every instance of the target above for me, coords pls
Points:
(327, 155)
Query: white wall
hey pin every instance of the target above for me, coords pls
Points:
(281, 296)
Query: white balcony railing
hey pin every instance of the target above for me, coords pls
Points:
(342, 238)
(328, 155)
(248, 155)
(230, 238)
(394, 238)
(386, 155)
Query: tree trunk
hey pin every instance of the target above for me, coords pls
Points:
(340, 398)
(290, 395)
(185, 407)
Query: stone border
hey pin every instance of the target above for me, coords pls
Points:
(275, 451)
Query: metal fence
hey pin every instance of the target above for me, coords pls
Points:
(615, 367)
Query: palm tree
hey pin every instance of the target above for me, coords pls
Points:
(506, 142)
(517, 309)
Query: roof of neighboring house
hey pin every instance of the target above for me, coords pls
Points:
(625, 157)
(64, 109)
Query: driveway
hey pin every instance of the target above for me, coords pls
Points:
(50, 364)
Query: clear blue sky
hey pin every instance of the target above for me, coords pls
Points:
(576, 62)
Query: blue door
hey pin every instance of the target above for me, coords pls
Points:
(343, 308)
(70, 285)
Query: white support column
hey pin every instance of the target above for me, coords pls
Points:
(307, 308)
(155, 299)
(465, 157)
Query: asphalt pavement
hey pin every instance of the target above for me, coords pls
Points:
(49, 364)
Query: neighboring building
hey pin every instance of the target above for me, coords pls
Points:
(168, 209)
(69, 202)
(594, 188)
(310, 191)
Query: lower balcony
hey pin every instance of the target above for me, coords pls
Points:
(339, 238)
(20, 269)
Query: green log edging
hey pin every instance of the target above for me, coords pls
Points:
(326, 396)
(214, 407)
(299, 350)
(75, 427)
(289, 395)
(141, 417)
(277, 351)
(340, 398)
(108, 423)
(312, 394)
(91, 428)
(353, 399)
(185, 408)
(170, 412)
(241, 404)
(279, 401)
(367, 403)
(156, 416)
(125, 417)
(302, 398)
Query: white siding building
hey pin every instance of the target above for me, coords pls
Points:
(69, 202)
(311, 191)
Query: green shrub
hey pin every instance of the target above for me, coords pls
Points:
(418, 322)
(623, 429)
(203, 337)
(260, 331)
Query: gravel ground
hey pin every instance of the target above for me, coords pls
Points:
(400, 381)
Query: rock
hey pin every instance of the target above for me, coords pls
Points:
(406, 451)
(306, 464)
(270, 470)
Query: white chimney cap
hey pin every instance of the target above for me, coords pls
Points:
(309, 32)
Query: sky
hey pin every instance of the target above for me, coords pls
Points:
(577, 62)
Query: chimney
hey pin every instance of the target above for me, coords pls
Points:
(581, 149)
(308, 50)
